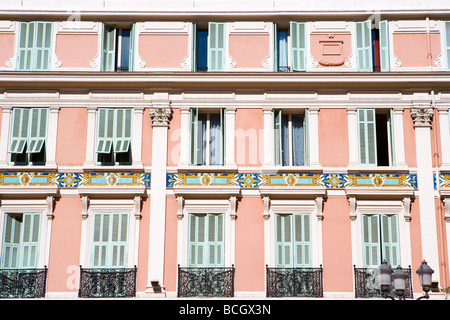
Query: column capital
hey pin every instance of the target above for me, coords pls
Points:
(160, 116)
(422, 116)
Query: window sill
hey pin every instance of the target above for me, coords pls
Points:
(189, 168)
(375, 169)
(29, 168)
(125, 168)
(268, 169)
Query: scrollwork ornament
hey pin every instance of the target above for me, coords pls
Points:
(422, 116)
(160, 116)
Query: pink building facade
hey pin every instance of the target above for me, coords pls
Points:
(159, 148)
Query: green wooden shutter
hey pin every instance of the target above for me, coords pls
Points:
(105, 130)
(43, 45)
(392, 137)
(35, 43)
(26, 45)
(390, 239)
(216, 46)
(132, 44)
(194, 137)
(275, 47)
(19, 132)
(371, 241)
(123, 121)
(21, 240)
(38, 129)
(194, 47)
(384, 45)
(306, 136)
(277, 116)
(215, 240)
(363, 46)
(109, 48)
(298, 46)
(197, 240)
(110, 238)
(283, 245)
(367, 137)
(447, 42)
(302, 240)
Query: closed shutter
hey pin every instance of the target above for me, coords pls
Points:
(447, 42)
(363, 46)
(298, 46)
(384, 45)
(43, 45)
(216, 46)
(302, 240)
(35, 42)
(21, 240)
(215, 240)
(109, 48)
(38, 129)
(371, 241)
(367, 137)
(390, 239)
(110, 239)
(283, 245)
(197, 240)
(19, 131)
(26, 45)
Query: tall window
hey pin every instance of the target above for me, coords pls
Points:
(114, 136)
(35, 43)
(281, 49)
(207, 137)
(21, 241)
(380, 240)
(206, 240)
(118, 46)
(290, 138)
(110, 240)
(28, 136)
(375, 135)
(293, 240)
(380, 47)
(201, 50)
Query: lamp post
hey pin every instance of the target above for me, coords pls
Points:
(425, 276)
(399, 278)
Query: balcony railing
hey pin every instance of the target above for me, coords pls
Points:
(23, 283)
(205, 282)
(367, 284)
(294, 282)
(107, 283)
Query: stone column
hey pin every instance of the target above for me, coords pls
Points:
(160, 115)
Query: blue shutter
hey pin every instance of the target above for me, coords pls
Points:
(216, 46)
(384, 45)
(367, 137)
(298, 46)
(363, 46)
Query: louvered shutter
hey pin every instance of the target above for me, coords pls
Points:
(197, 241)
(26, 46)
(384, 45)
(198, 137)
(302, 240)
(105, 130)
(217, 138)
(194, 47)
(447, 42)
(38, 129)
(43, 45)
(275, 47)
(109, 48)
(132, 45)
(123, 120)
(216, 46)
(363, 46)
(11, 241)
(371, 241)
(283, 245)
(390, 239)
(215, 240)
(392, 137)
(19, 132)
(298, 46)
(277, 116)
(367, 137)
(30, 240)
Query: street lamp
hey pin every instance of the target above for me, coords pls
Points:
(385, 279)
(399, 278)
(425, 276)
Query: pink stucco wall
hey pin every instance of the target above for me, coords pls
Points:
(173, 138)
(249, 51)
(72, 135)
(163, 50)
(76, 50)
(331, 50)
(412, 49)
(409, 139)
(249, 248)
(170, 245)
(64, 259)
(6, 47)
(147, 136)
(144, 226)
(333, 137)
(416, 242)
(337, 250)
(249, 137)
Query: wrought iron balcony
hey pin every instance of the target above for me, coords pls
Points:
(107, 283)
(294, 282)
(367, 283)
(205, 282)
(23, 283)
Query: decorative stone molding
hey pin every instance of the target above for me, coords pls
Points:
(446, 209)
(407, 209)
(422, 116)
(160, 116)
(319, 205)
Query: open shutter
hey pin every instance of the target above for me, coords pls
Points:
(194, 47)
(277, 137)
(38, 129)
(371, 240)
(367, 137)
(275, 47)
(216, 46)
(384, 45)
(19, 132)
(298, 46)
(364, 46)
(306, 137)
(109, 48)
(196, 138)
(11, 241)
(123, 119)
(447, 42)
(132, 44)
(43, 45)
(26, 45)
(302, 240)
(390, 240)
(105, 130)
(391, 137)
